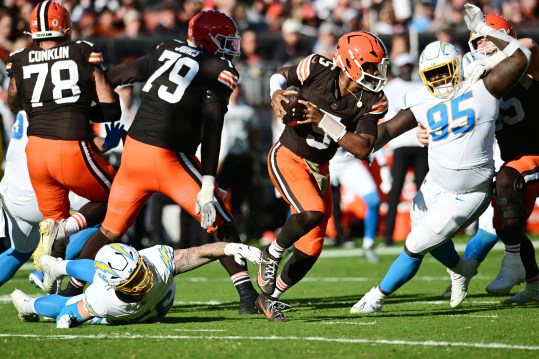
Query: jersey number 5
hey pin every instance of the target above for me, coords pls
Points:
(181, 75)
(60, 85)
(449, 116)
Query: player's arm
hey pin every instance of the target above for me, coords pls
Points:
(129, 72)
(402, 122)
(533, 68)
(14, 100)
(108, 108)
(505, 74)
(191, 258)
(73, 315)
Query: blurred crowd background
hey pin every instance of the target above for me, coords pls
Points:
(274, 34)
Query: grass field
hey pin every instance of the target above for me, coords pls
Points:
(204, 322)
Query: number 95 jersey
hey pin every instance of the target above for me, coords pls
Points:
(56, 88)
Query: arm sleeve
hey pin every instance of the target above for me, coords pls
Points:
(130, 72)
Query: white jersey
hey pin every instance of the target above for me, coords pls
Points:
(461, 133)
(101, 300)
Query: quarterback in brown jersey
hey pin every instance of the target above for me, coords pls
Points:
(184, 100)
(55, 82)
(344, 102)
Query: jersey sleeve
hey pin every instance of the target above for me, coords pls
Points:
(223, 81)
(307, 68)
(13, 64)
(90, 53)
(380, 106)
(162, 254)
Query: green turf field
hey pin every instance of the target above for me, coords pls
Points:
(203, 323)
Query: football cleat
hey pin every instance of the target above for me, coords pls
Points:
(50, 274)
(460, 282)
(370, 255)
(447, 293)
(511, 273)
(20, 300)
(267, 272)
(247, 304)
(36, 278)
(283, 307)
(530, 295)
(269, 308)
(50, 232)
(372, 302)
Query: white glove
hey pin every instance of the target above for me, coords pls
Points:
(206, 201)
(66, 321)
(474, 18)
(387, 180)
(242, 252)
(475, 71)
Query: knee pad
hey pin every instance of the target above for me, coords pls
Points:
(309, 219)
(508, 194)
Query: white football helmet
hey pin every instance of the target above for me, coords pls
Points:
(440, 68)
(121, 267)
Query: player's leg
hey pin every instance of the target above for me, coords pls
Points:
(484, 239)
(398, 173)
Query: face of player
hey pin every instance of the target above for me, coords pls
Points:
(485, 46)
(371, 69)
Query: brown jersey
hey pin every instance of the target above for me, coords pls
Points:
(517, 127)
(56, 88)
(180, 80)
(318, 81)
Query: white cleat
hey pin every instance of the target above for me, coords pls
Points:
(372, 302)
(460, 282)
(50, 274)
(20, 300)
(370, 255)
(530, 295)
(511, 273)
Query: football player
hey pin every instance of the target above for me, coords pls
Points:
(344, 103)
(127, 287)
(20, 215)
(55, 82)
(184, 100)
(516, 179)
(460, 117)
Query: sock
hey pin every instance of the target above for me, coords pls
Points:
(512, 249)
(10, 262)
(479, 246)
(368, 243)
(61, 267)
(78, 240)
(370, 222)
(243, 284)
(533, 279)
(446, 254)
(275, 250)
(74, 223)
(401, 271)
(280, 288)
(81, 269)
(50, 305)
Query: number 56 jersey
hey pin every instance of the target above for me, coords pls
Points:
(461, 131)
(56, 88)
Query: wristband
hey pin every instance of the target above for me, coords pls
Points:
(332, 127)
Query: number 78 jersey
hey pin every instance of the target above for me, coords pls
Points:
(461, 128)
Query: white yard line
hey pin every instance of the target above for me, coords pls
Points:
(429, 343)
(343, 323)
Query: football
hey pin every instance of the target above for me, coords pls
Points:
(294, 109)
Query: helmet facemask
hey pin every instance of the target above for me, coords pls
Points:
(140, 282)
(228, 46)
(443, 86)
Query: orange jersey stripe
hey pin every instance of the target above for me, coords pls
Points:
(304, 68)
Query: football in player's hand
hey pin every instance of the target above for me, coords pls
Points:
(294, 109)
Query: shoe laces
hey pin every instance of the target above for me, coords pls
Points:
(271, 267)
(276, 310)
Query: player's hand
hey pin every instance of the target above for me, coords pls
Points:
(387, 180)
(114, 134)
(278, 96)
(205, 202)
(66, 321)
(422, 135)
(474, 18)
(475, 71)
(242, 252)
(311, 115)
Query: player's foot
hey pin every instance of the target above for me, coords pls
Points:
(269, 309)
(50, 232)
(20, 300)
(283, 307)
(370, 255)
(530, 295)
(511, 273)
(267, 272)
(50, 274)
(460, 282)
(36, 278)
(372, 302)
(447, 293)
(247, 304)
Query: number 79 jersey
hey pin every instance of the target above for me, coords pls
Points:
(461, 128)
(56, 88)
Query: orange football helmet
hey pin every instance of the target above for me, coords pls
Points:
(356, 52)
(496, 22)
(50, 19)
(216, 33)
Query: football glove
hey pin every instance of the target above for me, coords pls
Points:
(66, 321)
(474, 18)
(242, 252)
(205, 202)
(114, 134)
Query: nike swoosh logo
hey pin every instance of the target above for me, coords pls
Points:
(458, 199)
(261, 281)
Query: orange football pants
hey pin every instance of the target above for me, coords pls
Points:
(147, 169)
(528, 167)
(57, 167)
(298, 187)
